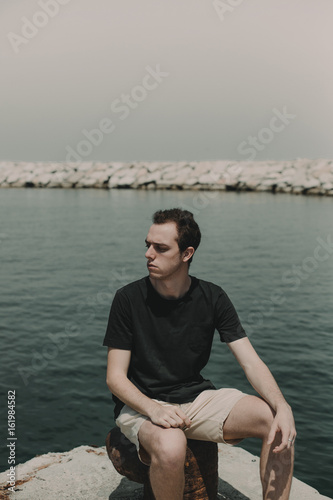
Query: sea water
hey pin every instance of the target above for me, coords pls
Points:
(64, 253)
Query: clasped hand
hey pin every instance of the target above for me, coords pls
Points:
(285, 424)
(169, 416)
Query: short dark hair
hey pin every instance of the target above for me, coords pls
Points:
(189, 234)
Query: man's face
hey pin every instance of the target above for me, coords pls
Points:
(164, 257)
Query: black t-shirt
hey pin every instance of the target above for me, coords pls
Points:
(170, 339)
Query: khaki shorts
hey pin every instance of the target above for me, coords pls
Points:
(207, 412)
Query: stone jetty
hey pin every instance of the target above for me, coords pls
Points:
(86, 473)
(300, 176)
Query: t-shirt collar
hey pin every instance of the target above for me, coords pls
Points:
(185, 297)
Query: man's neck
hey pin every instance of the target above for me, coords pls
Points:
(173, 288)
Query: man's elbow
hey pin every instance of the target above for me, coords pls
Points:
(114, 380)
(108, 382)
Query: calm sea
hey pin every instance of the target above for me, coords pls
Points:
(64, 253)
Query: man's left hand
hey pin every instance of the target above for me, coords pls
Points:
(284, 423)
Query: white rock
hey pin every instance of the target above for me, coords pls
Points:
(42, 179)
(280, 189)
(4, 175)
(288, 172)
(152, 167)
(219, 167)
(311, 183)
(251, 185)
(100, 166)
(326, 177)
(163, 183)
(209, 178)
(142, 171)
(299, 179)
(84, 166)
(13, 177)
(140, 180)
(201, 169)
(28, 167)
(264, 187)
(97, 174)
(169, 172)
(297, 189)
(128, 180)
(74, 177)
(124, 172)
(87, 182)
(153, 177)
(190, 181)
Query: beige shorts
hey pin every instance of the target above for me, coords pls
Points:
(207, 413)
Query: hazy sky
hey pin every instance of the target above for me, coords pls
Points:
(166, 80)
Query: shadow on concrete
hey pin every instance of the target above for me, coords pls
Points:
(128, 490)
(227, 492)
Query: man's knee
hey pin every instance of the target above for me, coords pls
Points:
(167, 447)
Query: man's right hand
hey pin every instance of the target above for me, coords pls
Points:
(169, 416)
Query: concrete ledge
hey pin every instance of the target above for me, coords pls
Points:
(86, 473)
(301, 176)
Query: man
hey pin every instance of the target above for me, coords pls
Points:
(159, 337)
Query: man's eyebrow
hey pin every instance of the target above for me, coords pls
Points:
(158, 244)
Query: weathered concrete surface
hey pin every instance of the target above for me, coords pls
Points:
(86, 473)
(301, 176)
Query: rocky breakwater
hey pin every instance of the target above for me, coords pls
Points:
(301, 176)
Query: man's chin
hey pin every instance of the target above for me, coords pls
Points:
(152, 271)
(155, 274)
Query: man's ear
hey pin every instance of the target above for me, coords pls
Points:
(188, 253)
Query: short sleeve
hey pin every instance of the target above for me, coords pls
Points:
(119, 329)
(226, 319)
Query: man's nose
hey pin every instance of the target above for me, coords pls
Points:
(149, 254)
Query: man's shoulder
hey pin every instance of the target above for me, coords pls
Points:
(209, 286)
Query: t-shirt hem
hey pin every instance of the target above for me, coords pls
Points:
(115, 345)
(240, 335)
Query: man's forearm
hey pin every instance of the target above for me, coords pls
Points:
(264, 383)
(127, 392)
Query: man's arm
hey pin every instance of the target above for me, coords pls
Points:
(264, 383)
(119, 384)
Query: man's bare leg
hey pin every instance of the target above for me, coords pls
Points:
(276, 470)
(253, 417)
(167, 450)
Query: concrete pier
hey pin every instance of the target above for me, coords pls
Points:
(86, 473)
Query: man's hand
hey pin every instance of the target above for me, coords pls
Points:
(284, 423)
(169, 416)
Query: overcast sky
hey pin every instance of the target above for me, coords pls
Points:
(166, 80)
